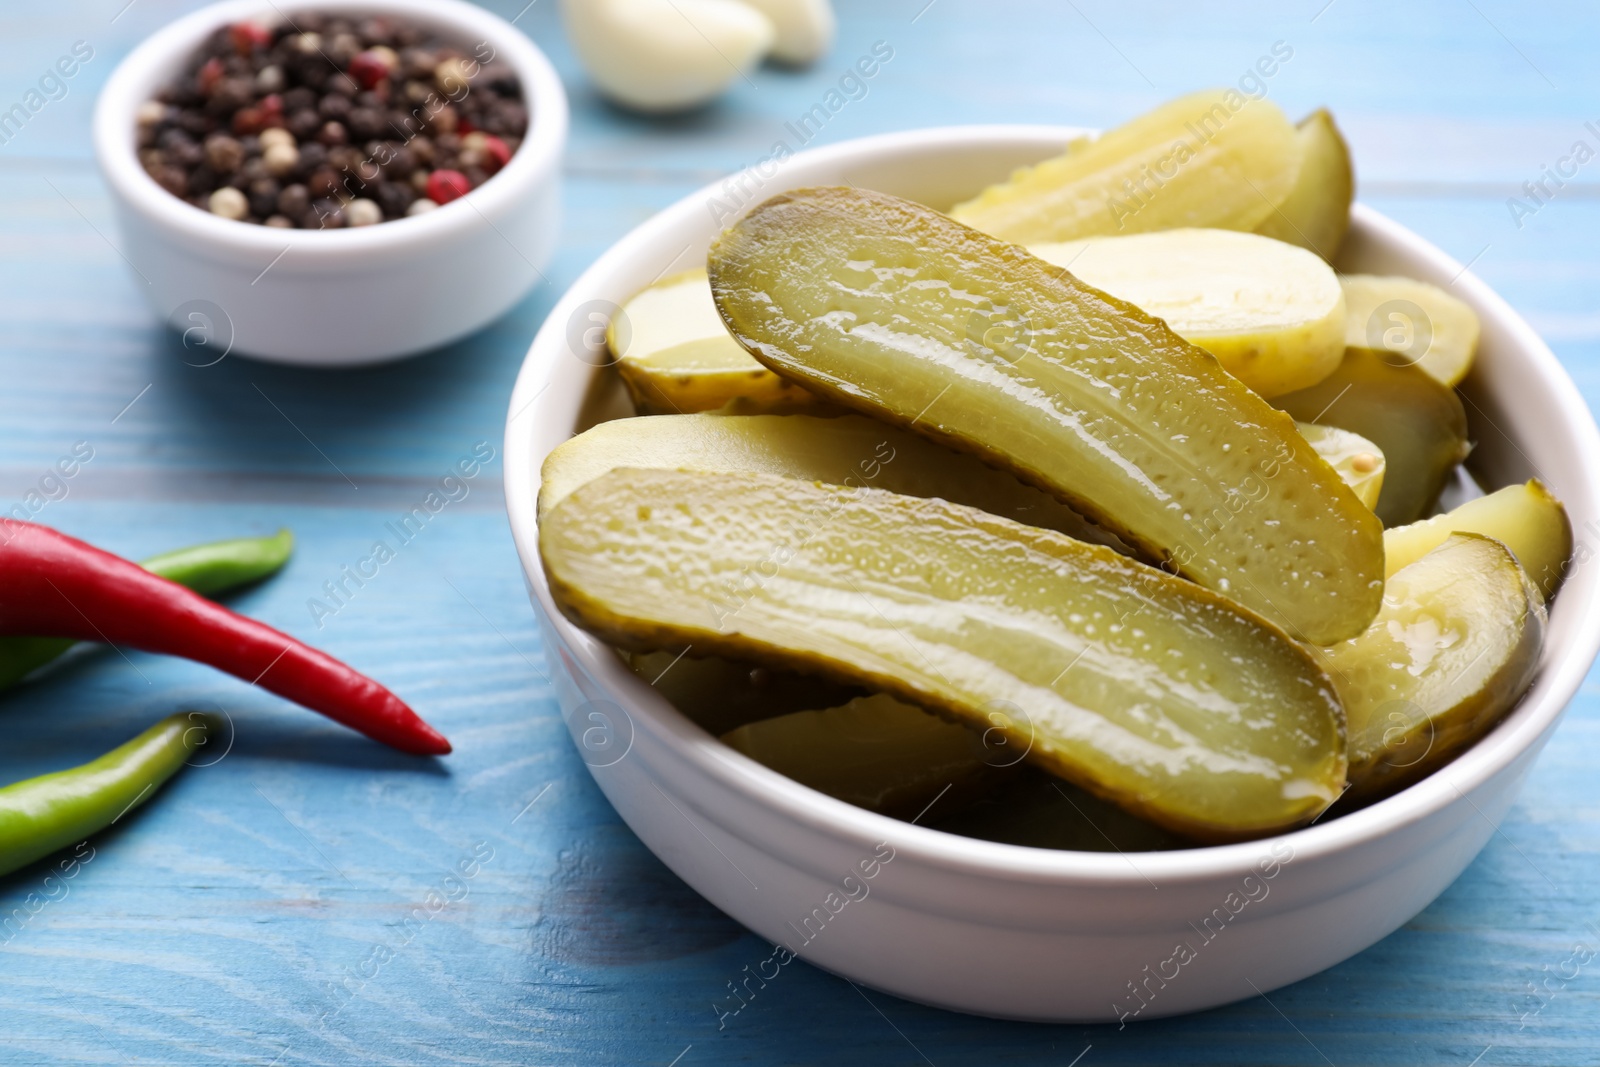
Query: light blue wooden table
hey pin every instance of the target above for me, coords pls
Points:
(254, 913)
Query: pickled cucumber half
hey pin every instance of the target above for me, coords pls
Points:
(1316, 213)
(1357, 460)
(1141, 687)
(1272, 313)
(675, 355)
(1215, 158)
(1454, 647)
(845, 450)
(1418, 423)
(1527, 519)
(888, 307)
(1413, 321)
(875, 752)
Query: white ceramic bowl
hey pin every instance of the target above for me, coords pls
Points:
(1008, 931)
(337, 297)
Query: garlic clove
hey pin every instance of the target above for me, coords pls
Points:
(666, 55)
(805, 28)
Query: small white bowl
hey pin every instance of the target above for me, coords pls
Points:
(336, 297)
(998, 929)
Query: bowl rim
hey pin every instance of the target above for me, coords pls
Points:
(157, 58)
(1520, 731)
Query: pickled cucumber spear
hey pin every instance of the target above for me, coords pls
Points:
(1150, 691)
(1212, 158)
(845, 450)
(891, 308)
(1455, 646)
(1419, 424)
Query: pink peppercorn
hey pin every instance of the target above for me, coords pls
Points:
(246, 37)
(447, 185)
(209, 75)
(496, 154)
(371, 67)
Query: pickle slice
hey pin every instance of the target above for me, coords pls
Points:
(874, 752)
(1414, 321)
(1272, 313)
(675, 355)
(1148, 690)
(1316, 213)
(719, 695)
(1454, 647)
(1527, 519)
(845, 450)
(1357, 460)
(1419, 425)
(888, 307)
(1214, 158)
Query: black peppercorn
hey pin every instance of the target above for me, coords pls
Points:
(313, 157)
(394, 198)
(402, 163)
(202, 181)
(263, 194)
(334, 107)
(325, 214)
(299, 98)
(230, 95)
(375, 31)
(223, 153)
(174, 180)
(507, 118)
(304, 124)
(366, 123)
(294, 201)
(324, 183)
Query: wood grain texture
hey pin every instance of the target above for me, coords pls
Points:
(257, 912)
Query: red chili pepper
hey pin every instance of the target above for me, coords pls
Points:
(52, 585)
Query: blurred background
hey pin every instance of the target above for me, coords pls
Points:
(245, 918)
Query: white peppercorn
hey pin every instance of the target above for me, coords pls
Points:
(281, 159)
(362, 213)
(275, 135)
(270, 80)
(454, 77)
(229, 203)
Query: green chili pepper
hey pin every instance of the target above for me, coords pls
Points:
(223, 565)
(41, 815)
(207, 569)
